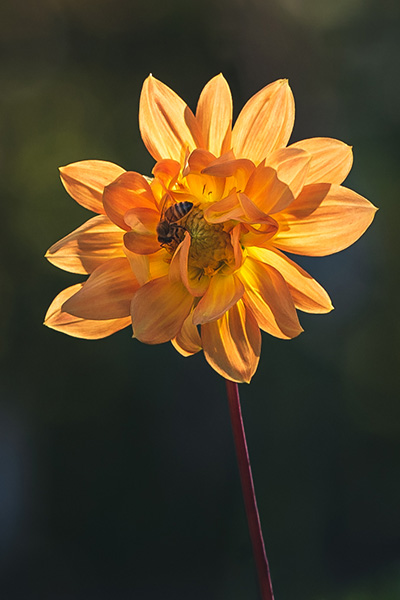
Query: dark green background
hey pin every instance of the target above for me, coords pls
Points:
(117, 470)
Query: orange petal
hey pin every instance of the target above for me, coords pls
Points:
(167, 171)
(308, 294)
(140, 265)
(107, 293)
(75, 326)
(258, 237)
(88, 247)
(222, 293)
(214, 115)
(85, 181)
(142, 238)
(331, 160)
(236, 207)
(274, 186)
(225, 209)
(232, 344)
(166, 123)
(159, 264)
(130, 190)
(252, 214)
(159, 310)
(188, 341)
(197, 161)
(238, 168)
(268, 296)
(235, 234)
(148, 266)
(193, 279)
(265, 122)
(324, 219)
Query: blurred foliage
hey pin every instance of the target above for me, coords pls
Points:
(117, 472)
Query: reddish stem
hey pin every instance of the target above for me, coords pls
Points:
(249, 495)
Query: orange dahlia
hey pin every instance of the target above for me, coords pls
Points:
(195, 254)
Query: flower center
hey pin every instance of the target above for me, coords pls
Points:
(210, 247)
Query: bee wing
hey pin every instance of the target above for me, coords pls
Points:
(165, 203)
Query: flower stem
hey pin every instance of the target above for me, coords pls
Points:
(249, 495)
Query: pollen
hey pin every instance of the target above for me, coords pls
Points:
(210, 247)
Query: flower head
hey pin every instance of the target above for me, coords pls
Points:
(195, 254)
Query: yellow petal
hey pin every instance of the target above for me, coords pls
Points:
(308, 294)
(142, 239)
(167, 125)
(214, 115)
(324, 219)
(107, 293)
(331, 160)
(265, 122)
(85, 181)
(88, 247)
(188, 341)
(232, 344)
(87, 329)
(130, 190)
(269, 298)
(159, 310)
(222, 293)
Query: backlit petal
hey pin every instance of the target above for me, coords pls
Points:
(214, 115)
(269, 298)
(250, 236)
(232, 344)
(140, 265)
(195, 281)
(142, 238)
(198, 160)
(131, 190)
(274, 186)
(167, 172)
(167, 125)
(107, 293)
(324, 219)
(265, 122)
(62, 321)
(228, 168)
(225, 209)
(159, 310)
(85, 181)
(236, 207)
(188, 341)
(222, 293)
(308, 294)
(88, 247)
(331, 160)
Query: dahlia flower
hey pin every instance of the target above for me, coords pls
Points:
(195, 254)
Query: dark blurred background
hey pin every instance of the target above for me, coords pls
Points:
(118, 477)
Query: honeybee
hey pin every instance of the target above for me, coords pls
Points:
(169, 230)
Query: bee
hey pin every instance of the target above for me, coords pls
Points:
(169, 230)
